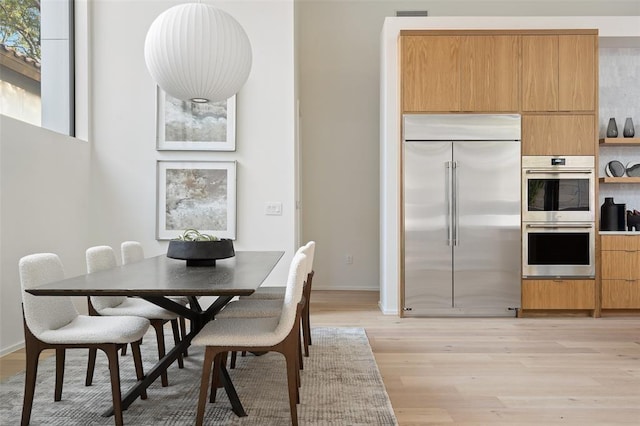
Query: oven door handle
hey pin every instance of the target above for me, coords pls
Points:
(560, 225)
(547, 171)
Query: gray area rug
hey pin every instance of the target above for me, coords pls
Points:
(341, 385)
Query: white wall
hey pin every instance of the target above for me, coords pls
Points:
(44, 182)
(123, 105)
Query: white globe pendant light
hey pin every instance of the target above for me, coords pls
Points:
(198, 53)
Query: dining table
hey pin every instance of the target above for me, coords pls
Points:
(158, 278)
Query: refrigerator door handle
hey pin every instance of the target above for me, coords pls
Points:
(449, 196)
(454, 193)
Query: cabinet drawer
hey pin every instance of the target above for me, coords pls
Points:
(558, 294)
(619, 264)
(620, 242)
(620, 294)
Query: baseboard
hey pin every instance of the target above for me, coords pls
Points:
(388, 311)
(345, 288)
(12, 348)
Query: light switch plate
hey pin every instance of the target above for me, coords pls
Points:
(273, 208)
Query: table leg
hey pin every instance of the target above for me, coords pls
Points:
(198, 321)
(236, 405)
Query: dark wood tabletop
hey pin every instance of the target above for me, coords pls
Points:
(161, 276)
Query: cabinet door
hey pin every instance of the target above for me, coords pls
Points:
(430, 73)
(540, 73)
(620, 265)
(489, 73)
(576, 72)
(558, 294)
(620, 294)
(620, 242)
(558, 135)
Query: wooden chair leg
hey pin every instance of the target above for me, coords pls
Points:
(209, 357)
(176, 340)
(112, 355)
(91, 365)
(299, 350)
(234, 355)
(294, 395)
(60, 353)
(124, 350)
(306, 334)
(215, 377)
(137, 361)
(32, 355)
(158, 327)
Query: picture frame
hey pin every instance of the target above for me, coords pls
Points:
(192, 126)
(196, 195)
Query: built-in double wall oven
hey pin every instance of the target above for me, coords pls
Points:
(558, 216)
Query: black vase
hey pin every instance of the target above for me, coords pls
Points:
(612, 128)
(628, 131)
(612, 216)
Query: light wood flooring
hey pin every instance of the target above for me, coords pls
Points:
(470, 371)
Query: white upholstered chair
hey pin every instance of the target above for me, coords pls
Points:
(100, 258)
(52, 322)
(279, 334)
(266, 303)
(132, 252)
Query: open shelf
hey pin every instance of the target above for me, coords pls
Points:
(620, 141)
(620, 180)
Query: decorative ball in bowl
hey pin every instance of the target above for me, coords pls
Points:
(200, 249)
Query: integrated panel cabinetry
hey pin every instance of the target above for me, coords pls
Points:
(559, 72)
(620, 263)
(558, 294)
(430, 73)
(548, 76)
(558, 134)
(460, 73)
(489, 75)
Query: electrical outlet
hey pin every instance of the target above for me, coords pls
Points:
(273, 209)
(348, 259)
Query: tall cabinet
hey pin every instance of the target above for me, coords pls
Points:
(559, 106)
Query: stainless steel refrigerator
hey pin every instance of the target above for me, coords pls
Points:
(461, 215)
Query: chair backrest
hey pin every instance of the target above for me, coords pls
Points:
(131, 251)
(293, 294)
(310, 251)
(100, 258)
(43, 313)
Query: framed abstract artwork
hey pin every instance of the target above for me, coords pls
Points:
(191, 126)
(196, 195)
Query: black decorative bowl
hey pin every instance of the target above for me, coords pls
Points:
(201, 253)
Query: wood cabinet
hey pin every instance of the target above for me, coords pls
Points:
(559, 72)
(430, 73)
(489, 76)
(454, 73)
(558, 294)
(620, 265)
(539, 73)
(558, 134)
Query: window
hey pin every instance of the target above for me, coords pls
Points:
(36, 62)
